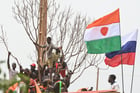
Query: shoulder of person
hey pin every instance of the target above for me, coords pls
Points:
(115, 83)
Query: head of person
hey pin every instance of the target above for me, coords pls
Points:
(84, 89)
(111, 78)
(62, 59)
(70, 72)
(14, 66)
(27, 72)
(33, 66)
(49, 40)
(57, 51)
(56, 77)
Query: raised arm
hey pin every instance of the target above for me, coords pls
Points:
(8, 64)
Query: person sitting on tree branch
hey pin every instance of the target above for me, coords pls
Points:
(49, 56)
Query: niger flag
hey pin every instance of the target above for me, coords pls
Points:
(103, 35)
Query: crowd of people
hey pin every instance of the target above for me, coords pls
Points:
(55, 75)
(53, 72)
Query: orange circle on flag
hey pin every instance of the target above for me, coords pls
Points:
(104, 31)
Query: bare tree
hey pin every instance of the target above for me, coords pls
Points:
(65, 27)
(3, 39)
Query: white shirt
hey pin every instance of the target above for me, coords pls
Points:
(49, 51)
(12, 73)
(115, 86)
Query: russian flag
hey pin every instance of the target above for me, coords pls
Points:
(127, 53)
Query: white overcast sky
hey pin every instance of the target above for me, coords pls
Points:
(130, 20)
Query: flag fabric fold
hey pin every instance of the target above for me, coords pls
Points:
(127, 53)
(103, 35)
(14, 88)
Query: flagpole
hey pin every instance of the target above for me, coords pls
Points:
(133, 75)
(132, 78)
(97, 82)
(122, 65)
(122, 75)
